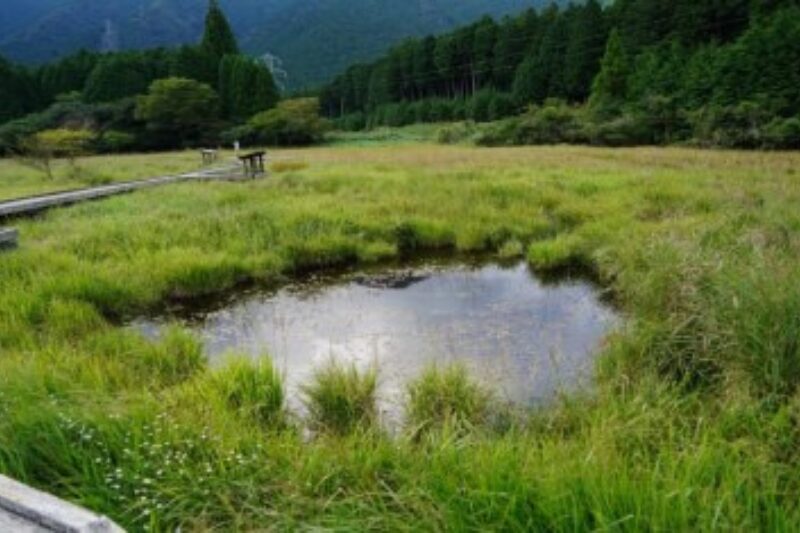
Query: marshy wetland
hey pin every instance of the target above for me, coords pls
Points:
(692, 421)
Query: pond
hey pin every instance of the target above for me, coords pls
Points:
(525, 337)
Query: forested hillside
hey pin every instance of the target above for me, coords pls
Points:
(135, 100)
(315, 38)
(648, 71)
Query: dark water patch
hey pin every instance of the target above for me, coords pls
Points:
(524, 336)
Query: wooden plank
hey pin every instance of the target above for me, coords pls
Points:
(34, 204)
(8, 238)
(39, 511)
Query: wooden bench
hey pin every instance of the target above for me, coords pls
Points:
(253, 163)
(209, 156)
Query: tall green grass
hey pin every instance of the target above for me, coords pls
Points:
(446, 397)
(254, 389)
(341, 398)
(693, 423)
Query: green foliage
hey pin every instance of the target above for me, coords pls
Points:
(763, 62)
(218, 38)
(121, 75)
(115, 142)
(341, 399)
(587, 36)
(196, 63)
(67, 75)
(254, 389)
(668, 72)
(446, 398)
(178, 106)
(480, 105)
(552, 123)
(541, 75)
(246, 87)
(783, 133)
(610, 87)
(18, 94)
(739, 126)
(456, 133)
(64, 142)
(566, 250)
(175, 360)
(292, 122)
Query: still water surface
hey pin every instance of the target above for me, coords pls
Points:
(524, 337)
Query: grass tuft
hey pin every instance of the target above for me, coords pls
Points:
(560, 252)
(178, 357)
(254, 389)
(341, 399)
(446, 397)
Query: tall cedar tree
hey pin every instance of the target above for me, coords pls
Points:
(541, 75)
(587, 37)
(610, 88)
(67, 75)
(18, 94)
(196, 63)
(246, 87)
(218, 39)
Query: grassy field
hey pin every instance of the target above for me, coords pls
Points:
(694, 424)
(17, 180)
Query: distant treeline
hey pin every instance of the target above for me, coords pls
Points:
(103, 78)
(148, 100)
(697, 67)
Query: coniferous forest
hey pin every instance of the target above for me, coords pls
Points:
(625, 73)
(139, 100)
(634, 72)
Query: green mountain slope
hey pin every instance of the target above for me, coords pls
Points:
(315, 38)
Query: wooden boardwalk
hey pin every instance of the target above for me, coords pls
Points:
(25, 510)
(31, 205)
(8, 238)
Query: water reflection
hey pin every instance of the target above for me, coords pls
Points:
(525, 338)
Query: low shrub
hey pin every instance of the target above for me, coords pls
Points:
(554, 122)
(739, 126)
(456, 133)
(783, 134)
(115, 142)
(294, 122)
(625, 130)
